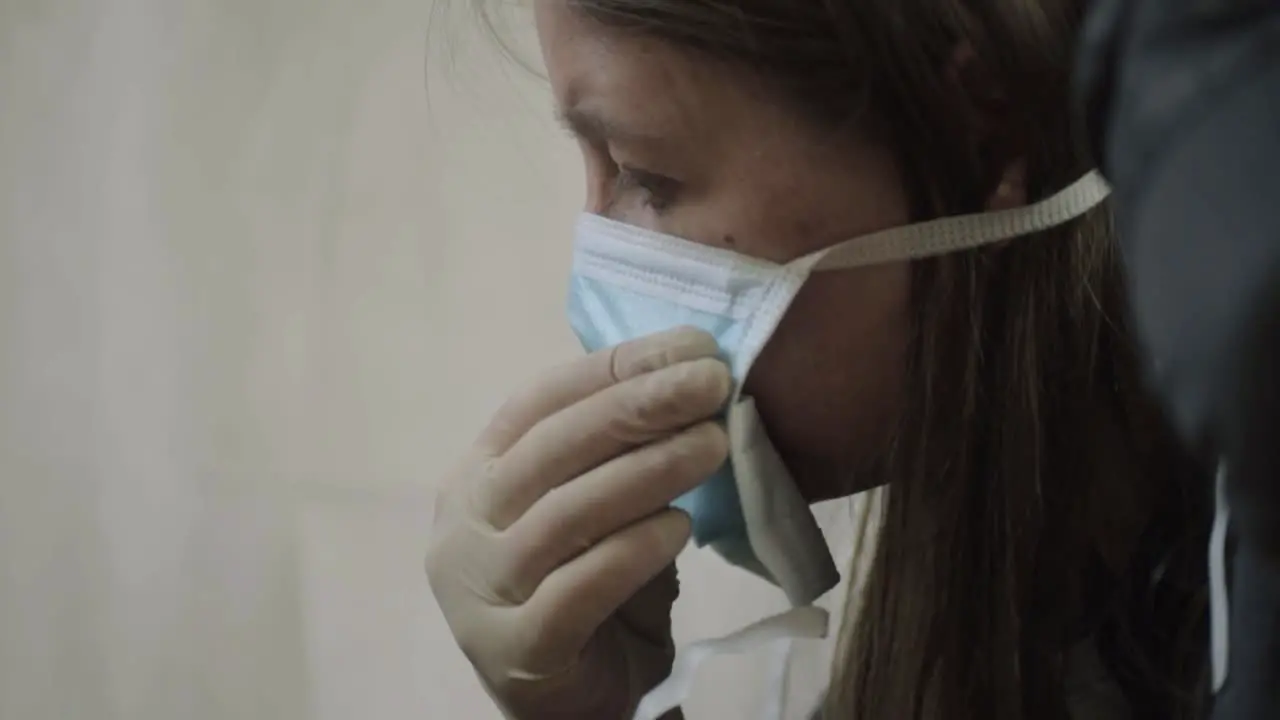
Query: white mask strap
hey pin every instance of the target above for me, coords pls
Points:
(963, 232)
(1219, 603)
(921, 240)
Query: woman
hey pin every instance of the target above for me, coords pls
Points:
(1039, 522)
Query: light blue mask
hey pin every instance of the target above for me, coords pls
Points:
(628, 282)
(611, 302)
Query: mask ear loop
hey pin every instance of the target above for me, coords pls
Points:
(965, 232)
(914, 242)
(1219, 601)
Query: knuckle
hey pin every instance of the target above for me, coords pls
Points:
(467, 562)
(522, 550)
(510, 584)
(542, 636)
(508, 588)
(526, 561)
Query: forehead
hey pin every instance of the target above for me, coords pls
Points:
(630, 77)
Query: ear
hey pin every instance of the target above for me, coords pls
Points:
(996, 149)
(1011, 192)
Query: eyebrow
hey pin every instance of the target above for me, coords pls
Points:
(594, 127)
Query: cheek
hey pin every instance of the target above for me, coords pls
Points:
(829, 381)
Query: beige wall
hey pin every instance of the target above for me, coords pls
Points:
(255, 294)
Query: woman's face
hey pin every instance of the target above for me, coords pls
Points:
(678, 144)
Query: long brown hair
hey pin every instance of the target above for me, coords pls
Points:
(1036, 499)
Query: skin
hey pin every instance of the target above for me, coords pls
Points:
(734, 168)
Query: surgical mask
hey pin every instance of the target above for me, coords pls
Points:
(628, 282)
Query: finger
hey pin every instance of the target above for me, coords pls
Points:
(575, 600)
(598, 429)
(571, 520)
(569, 383)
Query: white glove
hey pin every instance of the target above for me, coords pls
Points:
(552, 552)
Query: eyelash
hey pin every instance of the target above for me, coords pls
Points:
(659, 192)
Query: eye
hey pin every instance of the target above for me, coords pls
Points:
(658, 191)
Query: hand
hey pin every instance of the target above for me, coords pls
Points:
(553, 548)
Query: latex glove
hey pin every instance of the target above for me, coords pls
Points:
(552, 552)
